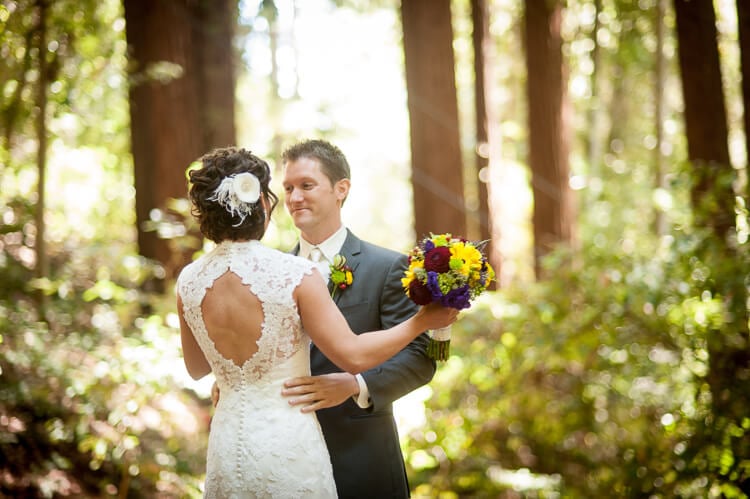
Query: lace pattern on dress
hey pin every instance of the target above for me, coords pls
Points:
(259, 445)
(258, 267)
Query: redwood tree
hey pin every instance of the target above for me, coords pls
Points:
(481, 40)
(181, 102)
(743, 29)
(437, 172)
(548, 143)
(487, 140)
(720, 445)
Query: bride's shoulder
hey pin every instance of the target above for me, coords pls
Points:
(189, 269)
(288, 259)
(294, 261)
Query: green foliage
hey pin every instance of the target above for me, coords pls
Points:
(623, 374)
(93, 397)
(577, 379)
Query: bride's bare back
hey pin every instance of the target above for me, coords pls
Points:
(233, 316)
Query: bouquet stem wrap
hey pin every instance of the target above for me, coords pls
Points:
(440, 344)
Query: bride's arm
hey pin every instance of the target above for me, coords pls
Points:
(354, 353)
(195, 362)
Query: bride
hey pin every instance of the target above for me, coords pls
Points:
(248, 314)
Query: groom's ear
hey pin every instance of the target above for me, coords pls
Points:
(342, 189)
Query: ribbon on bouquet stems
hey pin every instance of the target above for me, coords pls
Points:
(440, 343)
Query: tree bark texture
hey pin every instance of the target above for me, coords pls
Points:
(437, 171)
(42, 262)
(705, 111)
(713, 203)
(181, 102)
(548, 142)
(481, 39)
(485, 146)
(743, 28)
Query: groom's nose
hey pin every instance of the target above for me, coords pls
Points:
(295, 195)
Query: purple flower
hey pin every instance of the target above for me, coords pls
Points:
(434, 286)
(428, 245)
(457, 298)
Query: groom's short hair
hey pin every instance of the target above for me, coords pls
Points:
(333, 163)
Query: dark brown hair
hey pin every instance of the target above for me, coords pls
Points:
(216, 223)
(333, 163)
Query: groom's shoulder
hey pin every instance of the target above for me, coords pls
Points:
(380, 252)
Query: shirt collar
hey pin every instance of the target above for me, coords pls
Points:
(330, 247)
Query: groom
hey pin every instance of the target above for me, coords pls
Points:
(355, 412)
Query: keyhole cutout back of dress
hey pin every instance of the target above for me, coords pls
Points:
(233, 316)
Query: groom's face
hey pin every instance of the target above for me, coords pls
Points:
(312, 200)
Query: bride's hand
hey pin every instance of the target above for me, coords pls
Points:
(437, 316)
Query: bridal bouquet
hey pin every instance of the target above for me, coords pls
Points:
(447, 270)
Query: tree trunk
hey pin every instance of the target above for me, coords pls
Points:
(659, 76)
(743, 28)
(595, 139)
(483, 83)
(480, 39)
(437, 174)
(548, 143)
(42, 262)
(705, 112)
(181, 103)
(728, 344)
(214, 35)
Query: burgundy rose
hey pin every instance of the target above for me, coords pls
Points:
(438, 260)
(419, 293)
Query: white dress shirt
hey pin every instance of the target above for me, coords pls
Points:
(328, 250)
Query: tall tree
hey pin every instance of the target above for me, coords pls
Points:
(743, 28)
(181, 102)
(486, 136)
(713, 201)
(42, 262)
(213, 24)
(659, 108)
(705, 111)
(437, 171)
(548, 141)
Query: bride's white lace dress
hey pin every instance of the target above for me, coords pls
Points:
(259, 445)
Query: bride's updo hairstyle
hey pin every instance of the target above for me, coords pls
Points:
(220, 215)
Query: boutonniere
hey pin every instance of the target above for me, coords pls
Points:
(341, 274)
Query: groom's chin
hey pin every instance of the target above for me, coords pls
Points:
(301, 219)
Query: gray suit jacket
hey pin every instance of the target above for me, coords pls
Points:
(363, 443)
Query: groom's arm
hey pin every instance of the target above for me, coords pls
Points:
(407, 370)
(411, 367)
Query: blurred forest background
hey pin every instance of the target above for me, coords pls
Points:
(599, 144)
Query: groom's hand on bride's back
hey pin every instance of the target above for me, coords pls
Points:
(319, 392)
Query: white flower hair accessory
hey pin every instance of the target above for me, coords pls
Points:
(237, 194)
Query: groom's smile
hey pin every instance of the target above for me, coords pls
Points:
(312, 200)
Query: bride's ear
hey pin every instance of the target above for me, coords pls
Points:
(266, 206)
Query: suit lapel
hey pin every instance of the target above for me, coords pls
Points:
(350, 250)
